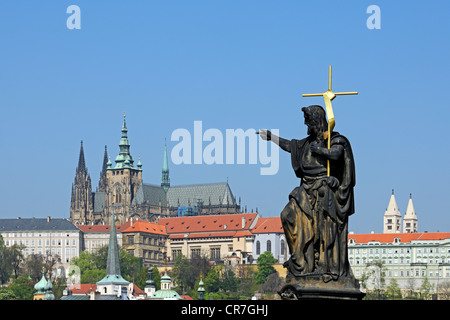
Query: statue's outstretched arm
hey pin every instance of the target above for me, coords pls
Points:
(269, 136)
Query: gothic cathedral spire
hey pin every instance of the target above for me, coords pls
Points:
(81, 206)
(102, 182)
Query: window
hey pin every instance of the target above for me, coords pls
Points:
(269, 246)
(258, 247)
(215, 253)
(195, 252)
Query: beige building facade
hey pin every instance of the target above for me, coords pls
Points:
(217, 237)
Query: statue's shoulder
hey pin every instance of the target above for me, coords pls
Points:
(299, 142)
(337, 138)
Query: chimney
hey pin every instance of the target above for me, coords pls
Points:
(48, 218)
(243, 222)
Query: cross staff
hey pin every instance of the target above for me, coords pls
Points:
(328, 97)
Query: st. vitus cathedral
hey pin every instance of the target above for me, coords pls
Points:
(121, 189)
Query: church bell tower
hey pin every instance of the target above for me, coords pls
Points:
(122, 181)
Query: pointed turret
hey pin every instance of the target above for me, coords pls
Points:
(392, 217)
(150, 286)
(81, 162)
(124, 159)
(410, 218)
(201, 289)
(113, 278)
(102, 183)
(165, 180)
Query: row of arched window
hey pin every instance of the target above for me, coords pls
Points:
(269, 247)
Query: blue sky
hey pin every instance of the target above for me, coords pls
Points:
(230, 64)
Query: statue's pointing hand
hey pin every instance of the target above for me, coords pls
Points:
(265, 134)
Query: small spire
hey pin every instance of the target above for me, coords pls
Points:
(81, 161)
(165, 179)
(139, 164)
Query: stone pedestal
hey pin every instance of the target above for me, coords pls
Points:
(321, 287)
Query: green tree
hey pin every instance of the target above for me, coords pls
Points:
(7, 294)
(92, 276)
(10, 260)
(265, 264)
(33, 266)
(212, 279)
(425, 289)
(184, 274)
(22, 288)
(5, 266)
(247, 284)
(156, 277)
(142, 278)
(393, 290)
(59, 285)
(229, 282)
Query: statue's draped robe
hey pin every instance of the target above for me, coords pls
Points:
(315, 220)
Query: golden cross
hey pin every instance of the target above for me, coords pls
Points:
(328, 96)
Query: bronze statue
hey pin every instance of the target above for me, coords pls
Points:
(315, 220)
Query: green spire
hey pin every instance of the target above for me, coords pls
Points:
(113, 274)
(139, 164)
(165, 180)
(124, 159)
(201, 289)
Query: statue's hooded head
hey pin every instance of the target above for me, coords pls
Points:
(315, 119)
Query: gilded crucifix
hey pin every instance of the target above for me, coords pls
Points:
(328, 97)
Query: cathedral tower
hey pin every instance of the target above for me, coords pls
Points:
(81, 204)
(410, 218)
(122, 181)
(392, 217)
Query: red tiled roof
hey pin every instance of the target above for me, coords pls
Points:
(243, 233)
(97, 228)
(83, 288)
(213, 223)
(144, 226)
(212, 234)
(268, 225)
(176, 236)
(137, 290)
(404, 237)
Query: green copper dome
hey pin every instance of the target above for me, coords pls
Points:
(166, 294)
(41, 286)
